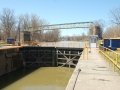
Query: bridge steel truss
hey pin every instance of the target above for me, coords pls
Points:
(62, 26)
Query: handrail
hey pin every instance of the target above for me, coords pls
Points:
(113, 56)
(79, 70)
(109, 49)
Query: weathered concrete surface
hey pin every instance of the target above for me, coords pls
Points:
(9, 47)
(95, 74)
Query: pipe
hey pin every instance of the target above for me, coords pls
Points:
(79, 70)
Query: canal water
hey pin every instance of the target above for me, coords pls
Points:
(72, 44)
(44, 78)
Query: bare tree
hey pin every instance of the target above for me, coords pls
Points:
(19, 28)
(10, 26)
(112, 32)
(52, 36)
(25, 21)
(1, 33)
(56, 35)
(116, 16)
(36, 24)
(7, 20)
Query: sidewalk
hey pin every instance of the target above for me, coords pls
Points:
(95, 74)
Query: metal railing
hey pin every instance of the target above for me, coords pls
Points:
(111, 55)
(79, 70)
(86, 49)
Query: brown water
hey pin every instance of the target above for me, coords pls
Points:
(46, 78)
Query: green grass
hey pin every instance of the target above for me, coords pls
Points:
(2, 43)
(113, 55)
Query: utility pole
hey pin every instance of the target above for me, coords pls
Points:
(19, 43)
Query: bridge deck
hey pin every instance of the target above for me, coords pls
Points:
(95, 74)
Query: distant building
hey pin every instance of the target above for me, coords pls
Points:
(112, 43)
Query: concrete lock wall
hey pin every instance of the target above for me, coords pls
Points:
(10, 60)
(49, 56)
(2, 63)
(30, 56)
(39, 56)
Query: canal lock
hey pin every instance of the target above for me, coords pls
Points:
(35, 56)
(50, 56)
(19, 62)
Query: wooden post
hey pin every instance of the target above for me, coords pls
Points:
(84, 52)
(116, 59)
(87, 53)
(69, 59)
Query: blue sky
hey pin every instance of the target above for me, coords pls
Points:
(65, 11)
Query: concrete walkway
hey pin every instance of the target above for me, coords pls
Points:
(95, 74)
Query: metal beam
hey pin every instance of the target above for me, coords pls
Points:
(67, 57)
(63, 26)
